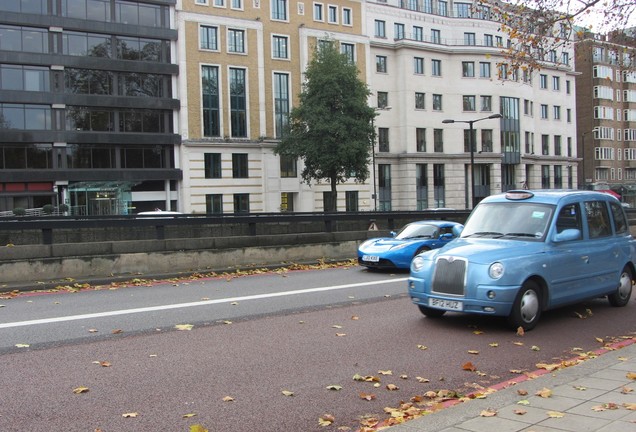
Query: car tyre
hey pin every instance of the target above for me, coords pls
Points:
(622, 294)
(526, 310)
(422, 249)
(431, 312)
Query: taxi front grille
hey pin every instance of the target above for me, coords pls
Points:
(449, 276)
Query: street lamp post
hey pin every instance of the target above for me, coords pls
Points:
(471, 143)
(375, 190)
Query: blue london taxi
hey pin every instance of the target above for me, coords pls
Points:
(523, 252)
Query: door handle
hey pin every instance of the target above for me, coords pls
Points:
(585, 258)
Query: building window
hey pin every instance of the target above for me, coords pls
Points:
(383, 99)
(318, 12)
(348, 50)
(279, 10)
(383, 139)
(280, 47)
(439, 193)
(418, 33)
(239, 165)
(347, 17)
(437, 102)
(288, 167)
(333, 14)
(420, 137)
(238, 107)
(438, 140)
(557, 112)
(210, 100)
(34, 78)
(484, 69)
(237, 4)
(486, 103)
(469, 39)
(380, 28)
(212, 165)
(557, 145)
(418, 65)
(236, 41)
(398, 29)
(209, 38)
(286, 202)
(545, 145)
(384, 184)
(556, 83)
(351, 201)
(468, 138)
(436, 67)
(241, 203)
(380, 64)
(421, 186)
(214, 204)
(281, 102)
(544, 111)
(488, 41)
(486, 140)
(436, 36)
(468, 103)
(468, 69)
(545, 176)
(419, 101)
(543, 81)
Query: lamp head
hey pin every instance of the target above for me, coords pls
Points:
(448, 121)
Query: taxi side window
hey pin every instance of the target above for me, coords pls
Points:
(598, 221)
(569, 218)
(620, 221)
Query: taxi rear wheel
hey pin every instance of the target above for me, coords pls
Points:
(621, 296)
(431, 312)
(526, 310)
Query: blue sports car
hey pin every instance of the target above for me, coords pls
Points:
(398, 251)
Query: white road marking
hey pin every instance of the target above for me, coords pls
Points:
(190, 304)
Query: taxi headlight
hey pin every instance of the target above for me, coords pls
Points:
(417, 264)
(496, 270)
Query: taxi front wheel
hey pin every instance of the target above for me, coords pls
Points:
(526, 310)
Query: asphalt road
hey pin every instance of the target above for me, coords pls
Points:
(268, 344)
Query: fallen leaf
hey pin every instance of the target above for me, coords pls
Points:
(475, 352)
(197, 428)
(117, 331)
(234, 303)
(626, 390)
(555, 414)
(599, 340)
(184, 327)
(130, 415)
(493, 344)
(287, 393)
(631, 375)
(392, 387)
(522, 392)
(80, 390)
(544, 393)
(468, 366)
(334, 387)
(404, 376)
(630, 406)
(92, 330)
(422, 347)
(355, 318)
(189, 415)
(385, 372)
(367, 396)
(422, 380)
(535, 348)
(326, 420)
(490, 412)
(341, 334)
(478, 332)
(523, 402)
(518, 343)
(22, 345)
(336, 326)
(227, 322)
(520, 411)
(520, 331)
(228, 399)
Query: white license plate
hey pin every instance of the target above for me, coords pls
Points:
(446, 304)
(371, 258)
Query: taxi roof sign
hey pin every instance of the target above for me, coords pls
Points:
(518, 195)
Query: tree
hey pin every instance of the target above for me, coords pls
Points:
(537, 27)
(330, 129)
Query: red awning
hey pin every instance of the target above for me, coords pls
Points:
(611, 192)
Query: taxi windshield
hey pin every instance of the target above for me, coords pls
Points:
(509, 220)
(417, 231)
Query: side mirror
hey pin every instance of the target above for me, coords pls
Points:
(446, 237)
(392, 233)
(567, 235)
(457, 230)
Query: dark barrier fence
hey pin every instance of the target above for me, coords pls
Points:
(51, 230)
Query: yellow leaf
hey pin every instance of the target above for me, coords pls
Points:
(355, 318)
(392, 387)
(555, 414)
(626, 390)
(490, 412)
(341, 334)
(385, 372)
(130, 415)
(22, 345)
(599, 340)
(523, 402)
(475, 352)
(189, 415)
(367, 396)
(518, 343)
(184, 327)
(631, 375)
(422, 380)
(544, 393)
(287, 393)
(334, 387)
(228, 399)
(79, 390)
(630, 406)
(422, 347)
(326, 420)
(197, 428)
(535, 348)
(493, 344)
(478, 332)
(227, 322)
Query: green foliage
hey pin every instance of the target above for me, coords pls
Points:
(19, 211)
(48, 209)
(63, 208)
(331, 129)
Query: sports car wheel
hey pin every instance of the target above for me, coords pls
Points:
(621, 296)
(431, 312)
(420, 250)
(526, 310)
